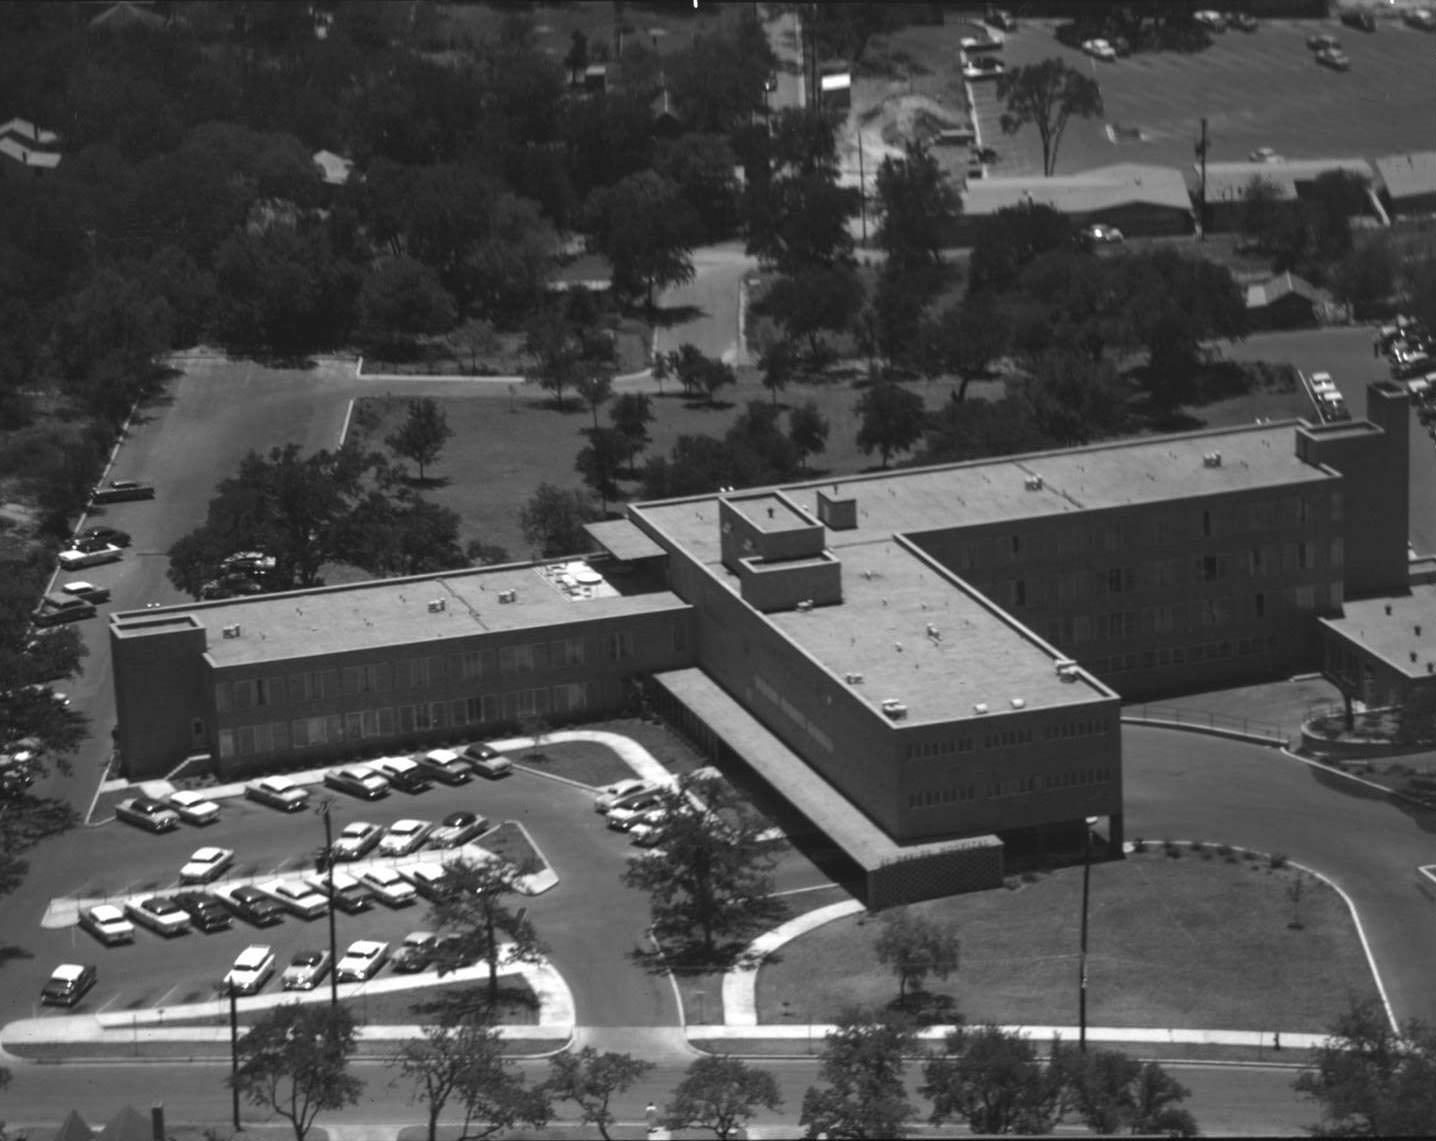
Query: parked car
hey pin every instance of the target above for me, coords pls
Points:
(1359, 18)
(296, 897)
(207, 864)
(415, 953)
(627, 812)
(87, 591)
(57, 609)
(1211, 20)
(356, 840)
(1334, 58)
(1422, 19)
(357, 780)
(102, 536)
(1321, 382)
(229, 586)
(389, 886)
(278, 792)
(306, 970)
(206, 913)
(1243, 21)
(429, 880)
(121, 491)
(403, 773)
(1001, 18)
(251, 969)
(457, 828)
(148, 813)
(160, 914)
(486, 760)
(108, 924)
(74, 559)
(348, 895)
(1100, 235)
(247, 902)
(453, 951)
(193, 807)
(983, 67)
(1322, 42)
(611, 794)
(1266, 155)
(404, 837)
(68, 983)
(1099, 49)
(647, 830)
(444, 765)
(362, 960)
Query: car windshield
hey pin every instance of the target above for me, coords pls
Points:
(307, 959)
(355, 831)
(162, 906)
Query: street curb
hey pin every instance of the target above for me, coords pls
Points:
(1208, 730)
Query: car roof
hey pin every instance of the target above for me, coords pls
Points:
(442, 756)
(429, 871)
(68, 971)
(407, 825)
(253, 955)
(106, 911)
(364, 947)
(189, 796)
(208, 853)
(276, 782)
(356, 827)
(384, 875)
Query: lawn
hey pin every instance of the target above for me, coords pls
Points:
(586, 762)
(1194, 942)
(509, 842)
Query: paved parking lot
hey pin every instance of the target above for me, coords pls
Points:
(1261, 89)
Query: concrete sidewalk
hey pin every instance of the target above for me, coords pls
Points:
(815, 1032)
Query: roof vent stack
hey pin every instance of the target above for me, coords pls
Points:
(436, 605)
(1033, 483)
(1211, 459)
(232, 631)
(895, 709)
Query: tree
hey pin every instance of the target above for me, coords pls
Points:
(917, 208)
(813, 301)
(808, 429)
(646, 230)
(915, 946)
(555, 349)
(722, 1094)
(1372, 1080)
(715, 881)
(294, 1062)
(576, 61)
(402, 533)
(631, 413)
(892, 419)
(402, 298)
(1071, 400)
(994, 1081)
(464, 1062)
(702, 166)
(777, 363)
(1010, 240)
(590, 1079)
(596, 390)
(1262, 207)
(598, 464)
(1366, 278)
(422, 435)
(474, 907)
(965, 338)
(698, 374)
(862, 1068)
(552, 521)
(1114, 1093)
(1046, 95)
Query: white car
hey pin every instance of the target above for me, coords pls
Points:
(627, 813)
(611, 794)
(391, 888)
(429, 880)
(108, 924)
(362, 961)
(1098, 234)
(356, 840)
(1099, 49)
(1265, 154)
(75, 559)
(1322, 383)
(278, 792)
(296, 897)
(1212, 21)
(457, 828)
(404, 836)
(357, 780)
(160, 914)
(983, 67)
(193, 807)
(251, 970)
(207, 864)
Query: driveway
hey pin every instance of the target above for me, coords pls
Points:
(1184, 786)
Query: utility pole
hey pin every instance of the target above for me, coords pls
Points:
(1201, 149)
(1082, 968)
(333, 937)
(233, 1051)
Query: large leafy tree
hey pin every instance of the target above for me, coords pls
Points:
(701, 166)
(631, 413)
(993, 1080)
(552, 521)
(646, 230)
(476, 907)
(1071, 400)
(423, 434)
(713, 887)
(917, 206)
(965, 339)
(913, 947)
(1115, 1093)
(1372, 1080)
(402, 298)
(892, 419)
(1011, 239)
(294, 1062)
(863, 1094)
(808, 429)
(814, 301)
(1046, 95)
(598, 463)
(590, 1080)
(721, 1093)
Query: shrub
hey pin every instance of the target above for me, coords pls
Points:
(1276, 860)
(1139, 845)
(1030, 877)
(1198, 846)
(1173, 850)
(1225, 851)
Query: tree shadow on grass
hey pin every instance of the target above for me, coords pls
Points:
(708, 405)
(666, 317)
(688, 957)
(924, 1008)
(9, 952)
(466, 1003)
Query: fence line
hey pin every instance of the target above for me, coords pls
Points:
(1206, 719)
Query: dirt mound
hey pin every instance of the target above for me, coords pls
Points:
(887, 120)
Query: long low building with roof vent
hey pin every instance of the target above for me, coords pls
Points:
(923, 665)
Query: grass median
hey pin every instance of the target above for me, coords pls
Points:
(1210, 939)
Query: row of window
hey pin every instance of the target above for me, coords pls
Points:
(387, 721)
(796, 715)
(1084, 727)
(1183, 655)
(416, 673)
(1013, 786)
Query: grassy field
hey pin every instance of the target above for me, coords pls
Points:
(1195, 942)
(584, 761)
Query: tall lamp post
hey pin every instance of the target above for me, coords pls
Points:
(233, 1050)
(1082, 967)
(329, 875)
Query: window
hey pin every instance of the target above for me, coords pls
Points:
(365, 679)
(353, 726)
(418, 672)
(1164, 619)
(306, 686)
(1019, 593)
(1213, 568)
(1260, 605)
(1305, 597)
(1338, 508)
(1303, 510)
(1207, 524)
(1254, 562)
(1016, 546)
(1303, 554)
(570, 698)
(470, 666)
(222, 697)
(620, 645)
(1338, 553)
(386, 721)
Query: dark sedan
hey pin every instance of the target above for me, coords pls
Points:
(247, 902)
(205, 910)
(101, 537)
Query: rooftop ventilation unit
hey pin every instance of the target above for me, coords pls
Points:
(232, 631)
(1019, 702)
(1067, 669)
(980, 707)
(934, 633)
(1211, 459)
(1033, 483)
(436, 605)
(853, 678)
(805, 605)
(895, 709)
(508, 596)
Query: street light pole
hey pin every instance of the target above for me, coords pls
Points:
(1086, 896)
(234, 1052)
(333, 936)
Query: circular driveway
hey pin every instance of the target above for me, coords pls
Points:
(1186, 786)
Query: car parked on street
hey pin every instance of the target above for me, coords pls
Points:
(160, 914)
(296, 897)
(629, 811)
(206, 912)
(1099, 235)
(1100, 49)
(193, 807)
(611, 794)
(206, 865)
(415, 953)
(108, 924)
(356, 840)
(68, 983)
(306, 970)
(357, 780)
(1001, 18)
(486, 760)
(388, 886)
(102, 536)
(57, 609)
(444, 765)
(362, 960)
(148, 813)
(1322, 42)
(982, 67)
(87, 591)
(404, 837)
(247, 902)
(429, 880)
(1265, 154)
(1422, 19)
(251, 970)
(403, 773)
(348, 895)
(1243, 21)
(457, 828)
(121, 491)
(73, 559)
(1359, 18)
(1334, 58)
(278, 792)
(1210, 19)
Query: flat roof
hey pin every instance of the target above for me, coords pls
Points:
(1408, 175)
(623, 540)
(1394, 637)
(769, 512)
(339, 619)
